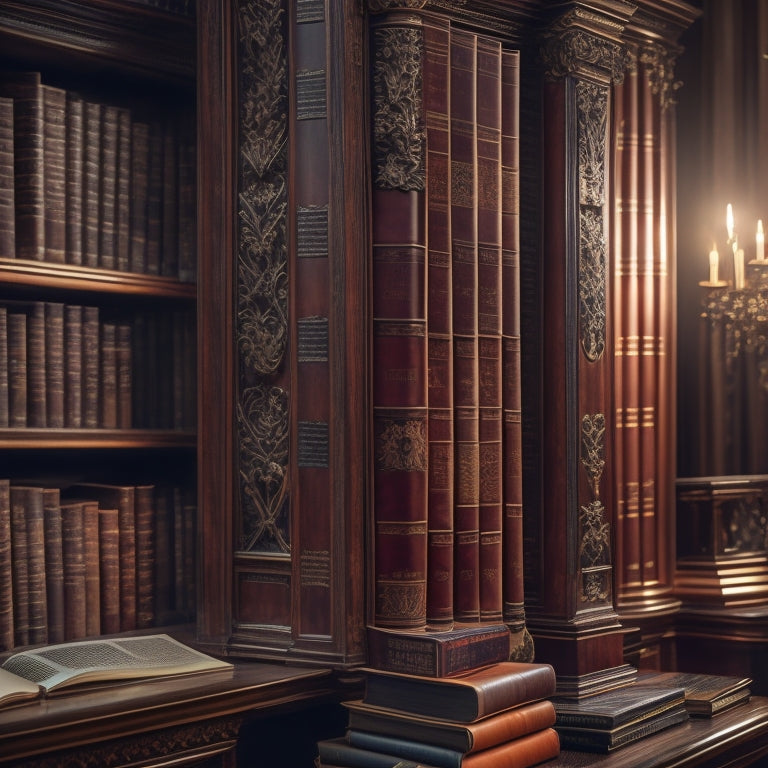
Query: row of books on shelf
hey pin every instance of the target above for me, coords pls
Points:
(93, 559)
(89, 183)
(72, 366)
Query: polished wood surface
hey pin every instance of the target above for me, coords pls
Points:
(737, 737)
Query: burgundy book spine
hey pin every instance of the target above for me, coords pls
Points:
(465, 352)
(514, 609)
(436, 69)
(6, 568)
(54, 173)
(123, 376)
(27, 92)
(7, 197)
(73, 203)
(489, 287)
(154, 198)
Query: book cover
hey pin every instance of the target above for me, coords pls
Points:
(123, 376)
(30, 501)
(7, 197)
(614, 708)
(187, 225)
(437, 654)
(461, 737)
(54, 173)
(26, 90)
(73, 201)
(705, 694)
(463, 698)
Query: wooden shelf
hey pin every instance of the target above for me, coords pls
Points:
(29, 439)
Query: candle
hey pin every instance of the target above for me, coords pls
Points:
(714, 260)
(729, 221)
(738, 270)
(760, 241)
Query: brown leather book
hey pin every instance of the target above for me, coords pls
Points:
(54, 564)
(17, 368)
(464, 698)
(6, 568)
(7, 198)
(139, 188)
(463, 57)
(91, 372)
(187, 270)
(438, 654)
(54, 173)
(91, 182)
(122, 226)
(154, 198)
(169, 251)
(435, 77)
(72, 538)
(123, 376)
(108, 375)
(20, 567)
(108, 186)
(91, 557)
(26, 90)
(36, 368)
(461, 737)
(145, 555)
(54, 364)
(4, 416)
(30, 500)
(73, 366)
(109, 570)
(73, 200)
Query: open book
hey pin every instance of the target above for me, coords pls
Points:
(34, 673)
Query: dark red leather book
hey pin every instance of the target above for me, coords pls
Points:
(154, 198)
(7, 198)
(435, 78)
(514, 610)
(169, 252)
(26, 90)
(54, 173)
(73, 199)
(463, 147)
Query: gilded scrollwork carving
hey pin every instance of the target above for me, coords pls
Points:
(660, 67)
(592, 280)
(595, 547)
(592, 110)
(574, 51)
(398, 130)
(593, 449)
(402, 445)
(381, 6)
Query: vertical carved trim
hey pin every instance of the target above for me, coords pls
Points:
(262, 276)
(660, 67)
(398, 132)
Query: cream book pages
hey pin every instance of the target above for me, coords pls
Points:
(16, 690)
(67, 664)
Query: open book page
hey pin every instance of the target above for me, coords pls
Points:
(16, 690)
(57, 666)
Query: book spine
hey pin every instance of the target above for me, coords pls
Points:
(74, 179)
(109, 570)
(489, 286)
(4, 395)
(463, 123)
(436, 70)
(123, 375)
(17, 369)
(6, 568)
(139, 181)
(26, 90)
(154, 198)
(37, 598)
(163, 573)
(513, 587)
(73, 366)
(187, 228)
(108, 375)
(72, 538)
(20, 567)
(91, 407)
(36, 367)
(127, 543)
(145, 556)
(7, 197)
(108, 187)
(399, 370)
(54, 364)
(54, 173)
(169, 256)
(54, 564)
(419, 751)
(92, 568)
(123, 166)
(91, 183)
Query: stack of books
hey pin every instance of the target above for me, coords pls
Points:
(484, 717)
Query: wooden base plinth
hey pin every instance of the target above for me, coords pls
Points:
(736, 581)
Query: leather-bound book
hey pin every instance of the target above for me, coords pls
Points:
(4, 416)
(91, 367)
(463, 132)
(464, 698)
(461, 737)
(36, 365)
(435, 77)
(54, 564)
(7, 197)
(108, 186)
(73, 549)
(169, 250)
(73, 200)
(122, 225)
(6, 568)
(514, 611)
(91, 182)
(164, 568)
(20, 567)
(154, 198)
(108, 375)
(139, 189)
(73, 366)
(54, 364)
(54, 173)
(17, 368)
(145, 555)
(123, 375)
(30, 500)
(26, 90)
(187, 228)
(109, 570)
(91, 558)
